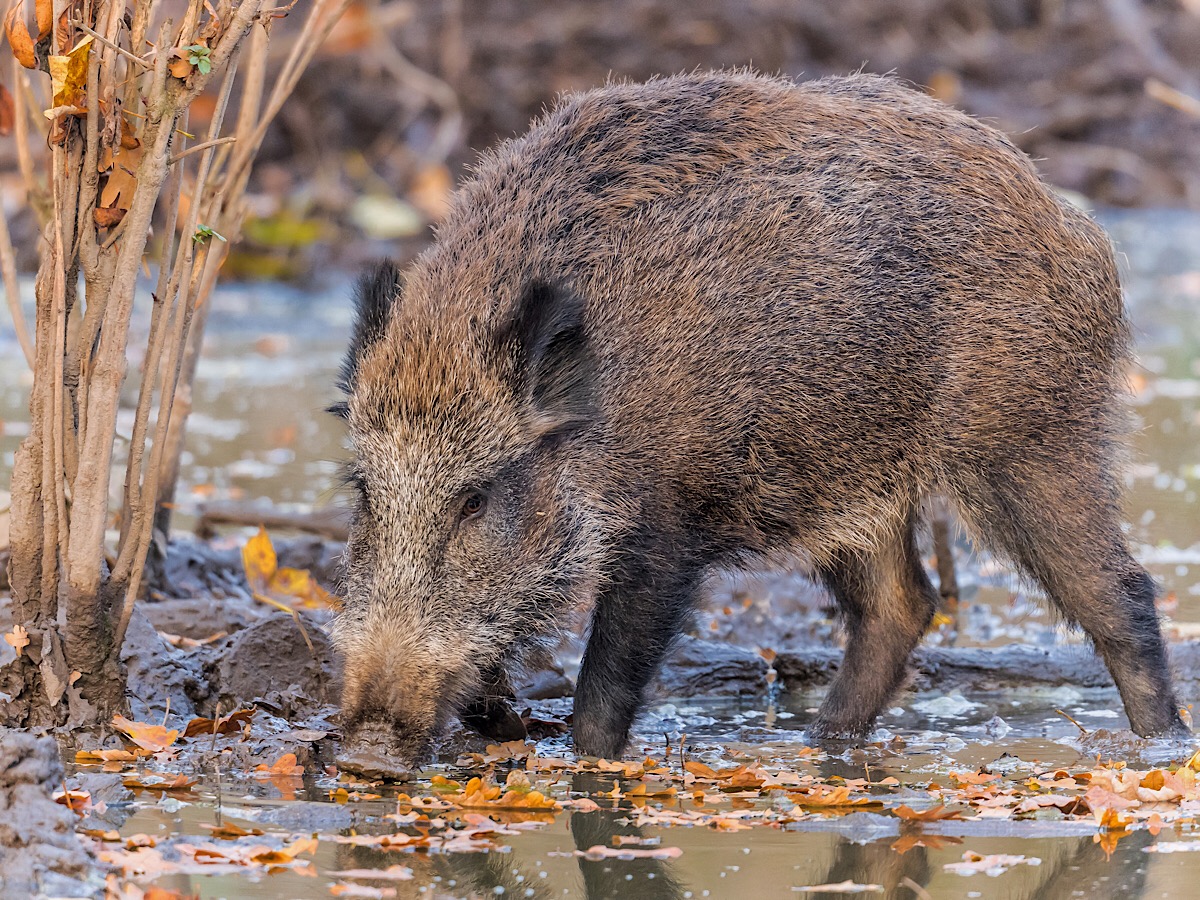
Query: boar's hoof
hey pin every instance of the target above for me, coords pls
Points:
(495, 719)
(372, 753)
(831, 734)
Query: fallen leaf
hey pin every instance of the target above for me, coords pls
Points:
(230, 832)
(285, 765)
(933, 814)
(259, 560)
(178, 783)
(230, 724)
(18, 36)
(90, 756)
(18, 638)
(155, 738)
(76, 801)
(267, 578)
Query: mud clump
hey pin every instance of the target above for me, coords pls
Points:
(40, 853)
(271, 664)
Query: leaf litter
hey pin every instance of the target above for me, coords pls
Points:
(509, 789)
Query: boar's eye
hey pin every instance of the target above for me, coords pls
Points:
(473, 505)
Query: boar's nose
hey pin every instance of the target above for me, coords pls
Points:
(372, 752)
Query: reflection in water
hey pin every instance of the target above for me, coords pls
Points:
(608, 879)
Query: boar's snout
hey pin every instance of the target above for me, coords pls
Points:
(372, 751)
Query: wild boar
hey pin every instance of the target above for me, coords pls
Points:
(690, 323)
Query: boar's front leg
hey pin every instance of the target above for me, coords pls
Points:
(491, 713)
(636, 618)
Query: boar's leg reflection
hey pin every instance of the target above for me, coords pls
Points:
(491, 713)
(603, 879)
(636, 618)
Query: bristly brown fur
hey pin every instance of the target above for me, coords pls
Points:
(686, 323)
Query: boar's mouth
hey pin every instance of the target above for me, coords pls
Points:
(373, 751)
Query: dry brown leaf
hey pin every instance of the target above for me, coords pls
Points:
(230, 832)
(295, 587)
(178, 783)
(285, 765)
(76, 801)
(68, 76)
(44, 13)
(18, 36)
(180, 67)
(7, 111)
(229, 724)
(108, 216)
(154, 738)
(933, 814)
(18, 638)
(92, 756)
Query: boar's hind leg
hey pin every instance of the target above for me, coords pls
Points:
(636, 618)
(887, 601)
(1062, 527)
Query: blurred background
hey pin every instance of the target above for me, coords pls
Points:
(1105, 94)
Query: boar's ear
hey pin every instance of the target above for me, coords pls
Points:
(555, 367)
(376, 293)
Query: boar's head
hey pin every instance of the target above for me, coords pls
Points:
(469, 539)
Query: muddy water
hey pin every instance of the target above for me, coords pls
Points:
(1018, 736)
(258, 432)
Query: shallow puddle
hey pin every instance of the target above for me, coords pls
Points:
(781, 828)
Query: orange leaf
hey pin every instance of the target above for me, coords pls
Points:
(18, 637)
(89, 756)
(7, 112)
(108, 216)
(44, 10)
(180, 68)
(229, 724)
(285, 765)
(933, 814)
(18, 36)
(700, 770)
(154, 738)
(178, 783)
(259, 560)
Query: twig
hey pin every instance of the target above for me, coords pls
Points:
(1072, 721)
(216, 142)
(132, 57)
(1176, 99)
